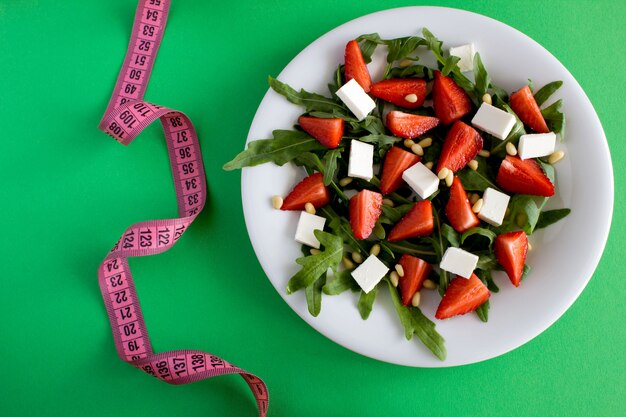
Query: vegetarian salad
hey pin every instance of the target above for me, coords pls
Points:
(427, 179)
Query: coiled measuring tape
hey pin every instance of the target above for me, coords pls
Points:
(125, 117)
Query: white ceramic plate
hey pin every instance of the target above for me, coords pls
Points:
(564, 255)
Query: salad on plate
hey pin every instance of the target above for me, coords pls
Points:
(426, 179)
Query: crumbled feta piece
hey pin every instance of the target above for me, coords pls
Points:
(459, 262)
(361, 163)
(536, 145)
(421, 179)
(494, 121)
(306, 225)
(466, 53)
(494, 206)
(369, 273)
(357, 100)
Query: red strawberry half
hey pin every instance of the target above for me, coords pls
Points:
(355, 67)
(396, 162)
(462, 144)
(510, 250)
(328, 132)
(409, 126)
(364, 212)
(523, 177)
(396, 90)
(415, 272)
(417, 222)
(458, 210)
(309, 190)
(462, 296)
(524, 105)
(450, 101)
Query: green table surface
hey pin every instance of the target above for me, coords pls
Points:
(68, 191)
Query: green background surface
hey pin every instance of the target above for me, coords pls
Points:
(68, 191)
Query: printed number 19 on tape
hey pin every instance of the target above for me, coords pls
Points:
(125, 117)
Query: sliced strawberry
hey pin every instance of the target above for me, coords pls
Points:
(417, 222)
(396, 162)
(450, 101)
(524, 105)
(524, 177)
(510, 250)
(364, 212)
(409, 126)
(328, 132)
(462, 144)
(355, 66)
(396, 90)
(415, 272)
(462, 296)
(309, 190)
(458, 210)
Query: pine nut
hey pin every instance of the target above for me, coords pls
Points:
(556, 157)
(347, 263)
(309, 208)
(400, 270)
(443, 173)
(487, 98)
(405, 63)
(449, 178)
(375, 250)
(387, 202)
(429, 165)
(473, 164)
(411, 98)
(425, 143)
(417, 150)
(394, 278)
(521, 219)
(484, 153)
(474, 198)
(415, 301)
(345, 181)
(530, 247)
(314, 251)
(429, 284)
(511, 149)
(477, 205)
(408, 143)
(356, 257)
(277, 202)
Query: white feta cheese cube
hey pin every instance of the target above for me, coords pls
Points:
(466, 53)
(459, 262)
(357, 100)
(421, 179)
(369, 273)
(494, 121)
(536, 145)
(361, 163)
(494, 207)
(306, 225)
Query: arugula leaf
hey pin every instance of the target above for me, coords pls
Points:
(487, 279)
(310, 101)
(486, 262)
(483, 311)
(546, 218)
(546, 91)
(339, 282)
(380, 140)
(554, 117)
(392, 215)
(401, 48)
(522, 207)
(478, 180)
(412, 71)
(450, 64)
(342, 228)
(313, 294)
(336, 83)
(366, 301)
(368, 44)
(330, 165)
(479, 231)
(415, 322)
(450, 234)
(514, 135)
(314, 266)
(309, 160)
(481, 77)
(403, 246)
(285, 146)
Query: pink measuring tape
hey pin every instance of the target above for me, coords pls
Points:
(125, 117)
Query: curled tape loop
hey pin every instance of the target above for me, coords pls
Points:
(126, 116)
